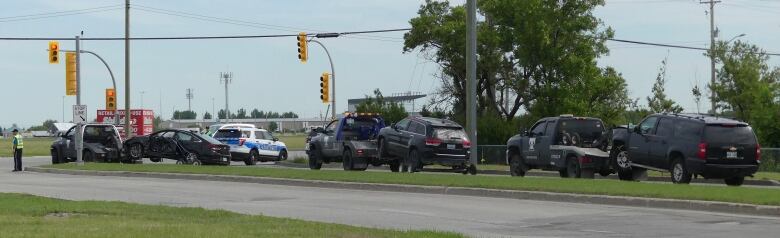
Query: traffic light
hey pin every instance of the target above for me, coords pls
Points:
(110, 99)
(54, 52)
(325, 88)
(303, 53)
(70, 74)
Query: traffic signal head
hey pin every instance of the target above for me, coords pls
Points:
(325, 87)
(110, 99)
(54, 52)
(303, 53)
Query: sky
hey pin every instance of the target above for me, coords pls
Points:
(268, 75)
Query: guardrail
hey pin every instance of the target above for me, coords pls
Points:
(496, 154)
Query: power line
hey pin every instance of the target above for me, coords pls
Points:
(56, 14)
(59, 12)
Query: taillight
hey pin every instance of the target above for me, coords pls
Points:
(241, 142)
(702, 151)
(586, 160)
(432, 141)
(466, 144)
(758, 152)
(360, 152)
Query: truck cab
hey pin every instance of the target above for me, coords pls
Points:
(350, 140)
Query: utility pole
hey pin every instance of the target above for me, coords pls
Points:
(128, 130)
(713, 34)
(142, 99)
(213, 108)
(227, 78)
(80, 126)
(189, 99)
(471, 77)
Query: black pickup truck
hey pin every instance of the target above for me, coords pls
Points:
(350, 140)
(102, 143)
(573, 146)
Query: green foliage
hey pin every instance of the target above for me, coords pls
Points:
(184, 115)
(273, 126)
(221, 114)
(659, 103)
(207, 116)
(391, 111)
(261, 114)
(746, 86)
(48, 124)
(156, 123)
(241, 114)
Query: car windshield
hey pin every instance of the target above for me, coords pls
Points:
(213, 129)
(209, 139)
(587, 129)
(729, 134)
(228, 133)
(449, 133)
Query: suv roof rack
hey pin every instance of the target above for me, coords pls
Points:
(567, 115)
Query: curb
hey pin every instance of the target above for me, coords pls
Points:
(705, 206)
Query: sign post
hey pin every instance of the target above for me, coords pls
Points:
(80, 118)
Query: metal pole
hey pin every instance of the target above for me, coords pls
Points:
(128, 130)
(113, 80)
(471, 77)
(63, 109)
(712, 54)
(80, 125)
(332, 79)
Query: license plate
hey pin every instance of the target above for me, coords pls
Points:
(731, 155)
(450, 146)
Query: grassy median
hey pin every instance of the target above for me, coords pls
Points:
(34, 146)
(32, 216)
(748, 195)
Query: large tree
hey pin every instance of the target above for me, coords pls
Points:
(531, 54)
(748, 87)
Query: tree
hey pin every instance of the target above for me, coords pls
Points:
(536, 50)
(184, 115)
(48, 124)
(390, 111)
(207, 116)
(221, 114)
(747, 86)
(256, 114)
(241, 114)
(156, 122)
(659, 103)
(273, 126)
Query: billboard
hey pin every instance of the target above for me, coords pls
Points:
(141, 121)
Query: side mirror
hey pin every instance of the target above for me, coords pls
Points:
(276, 139)
(526, 133)
(637, 130)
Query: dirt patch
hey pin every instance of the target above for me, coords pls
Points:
(63, 215)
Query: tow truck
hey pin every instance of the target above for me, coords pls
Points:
(350, 140)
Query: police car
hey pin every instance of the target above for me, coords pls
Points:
(251, 145)
(216, 127)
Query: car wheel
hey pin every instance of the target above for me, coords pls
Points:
(622, 163)
(472, 169)
(88, 156)
(346, 160)
(735, 181)
(55, 156)
(136, 151)
(315, 162)
(180, 162)
(155, 159)
(282, 155)
(414, 161)
(192, 158)
(573, 169)
(395, 165)
(516, 165)
(604, 173)
(680, 173)
(251, 159)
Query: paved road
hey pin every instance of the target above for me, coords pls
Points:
(475, 216)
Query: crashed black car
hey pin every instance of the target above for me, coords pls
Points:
(183, 146)
(102, 143)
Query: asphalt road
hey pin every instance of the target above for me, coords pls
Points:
(475, 216)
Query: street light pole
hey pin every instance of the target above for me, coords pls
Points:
(332, 79)
(471, 77)
(128, 130)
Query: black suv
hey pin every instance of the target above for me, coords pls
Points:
(686, 145)
(424, 141)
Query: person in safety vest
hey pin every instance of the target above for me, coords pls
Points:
(18, 146)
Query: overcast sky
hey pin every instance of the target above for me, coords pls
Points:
(267, 74)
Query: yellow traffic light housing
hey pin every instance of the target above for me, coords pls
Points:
(54, 52)
(110, 99)
(325, 87)
(71, 87)
(303, 53)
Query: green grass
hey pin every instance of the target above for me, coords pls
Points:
(757, 176)
(34, 146)
(748, 195)
(293, 142)
(32, 216)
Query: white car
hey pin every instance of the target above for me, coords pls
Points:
(251, 145)
(214, 128)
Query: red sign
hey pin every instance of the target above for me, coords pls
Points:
(141, 121)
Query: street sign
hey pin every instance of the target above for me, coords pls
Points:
(79, 113)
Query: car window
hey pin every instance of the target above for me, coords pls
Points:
(688, 130)
(167, 134)
(448, 133)
(267, 135)
(416, 127)
(729, 134)
(403, 124)
(665, 127)
(71, 132)
(182, 136)
(550, 128)
(332, 126)
(228, 133)
(420, 129)
(539, 128)
(648, 125)
(246, 134)
(209, 139)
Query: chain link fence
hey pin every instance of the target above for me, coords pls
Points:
(496, 154)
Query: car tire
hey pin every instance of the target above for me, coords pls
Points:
(88, 156)
(55, 156)
(346, 160)
(679, 172)
(135, 152)
(315, 162)
(604, 173)
(180, 162)
(394, 165)
(282, 155)
(572, 170)
(414, 161)
(622, 163)
(155, 159)
(735, 181)
(472, 169)
(251, 159)
(517, 167)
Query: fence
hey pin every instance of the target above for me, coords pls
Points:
(496, 154)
